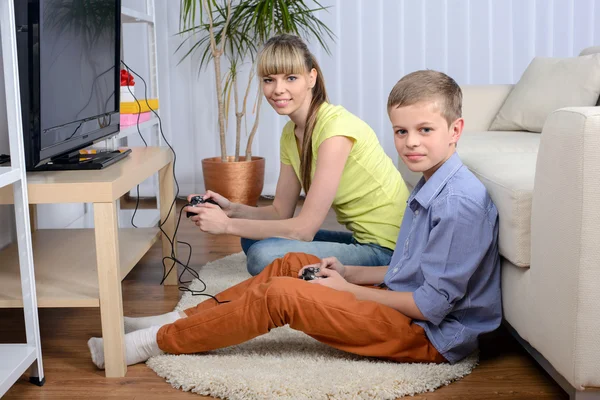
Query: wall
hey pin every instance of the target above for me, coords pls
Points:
(475, 41)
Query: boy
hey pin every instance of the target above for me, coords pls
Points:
(444, 275)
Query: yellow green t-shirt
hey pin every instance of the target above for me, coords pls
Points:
(371, 197)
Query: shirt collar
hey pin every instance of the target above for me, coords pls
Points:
(427, 190)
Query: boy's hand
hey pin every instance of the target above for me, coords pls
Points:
(332, 279)
(330, 263)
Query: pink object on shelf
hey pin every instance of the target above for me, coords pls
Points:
(132, 119)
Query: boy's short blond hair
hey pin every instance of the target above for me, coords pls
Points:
(428, 85)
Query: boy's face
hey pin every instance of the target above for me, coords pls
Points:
(422, 136)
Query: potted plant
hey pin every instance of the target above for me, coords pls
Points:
(234, 32)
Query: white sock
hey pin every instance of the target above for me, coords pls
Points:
(134, 324)
(139, 346)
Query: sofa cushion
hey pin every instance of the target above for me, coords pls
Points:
(591, 50)
(547, 85)
(498, 141)
(508, 177)
(505, 163)
(483, 142)
(516, 293)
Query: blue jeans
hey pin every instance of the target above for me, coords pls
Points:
(341, 245)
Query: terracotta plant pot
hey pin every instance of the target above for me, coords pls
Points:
(241, 181)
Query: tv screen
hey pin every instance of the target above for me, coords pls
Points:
(69, 71)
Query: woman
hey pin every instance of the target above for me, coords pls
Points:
(329, 152)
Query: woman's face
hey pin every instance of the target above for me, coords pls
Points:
(289, 94)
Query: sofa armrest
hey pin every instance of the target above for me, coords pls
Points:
(481, 103)
(565, 243)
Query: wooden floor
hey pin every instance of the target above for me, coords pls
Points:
(505, 369)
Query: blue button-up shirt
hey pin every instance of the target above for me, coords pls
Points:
(447, 256)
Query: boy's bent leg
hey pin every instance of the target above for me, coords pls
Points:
(333, 317)
(262, 253)
(289, 265)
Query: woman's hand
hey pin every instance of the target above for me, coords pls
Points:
(330, 263)
(210, 218)
(224, 203)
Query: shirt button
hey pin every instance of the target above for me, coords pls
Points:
(416, 212)
(396, 269)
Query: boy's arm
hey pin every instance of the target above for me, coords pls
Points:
(461, 237)
(364, 275)
(401, 301)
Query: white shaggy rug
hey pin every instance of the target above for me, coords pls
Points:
(289, 364)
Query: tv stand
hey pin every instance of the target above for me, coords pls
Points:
(82, 160)
(85, 267)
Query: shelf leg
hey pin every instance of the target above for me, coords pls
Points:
(167, 193)
(109, 282)
(30, 307)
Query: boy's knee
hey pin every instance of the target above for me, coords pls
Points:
(282, 286)
(299, 260)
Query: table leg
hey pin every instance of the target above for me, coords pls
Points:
(109, 283)
(167, 193)
(33, 217)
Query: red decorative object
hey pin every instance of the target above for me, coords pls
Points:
(126, 78)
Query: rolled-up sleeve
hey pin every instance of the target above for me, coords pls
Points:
(461, 235)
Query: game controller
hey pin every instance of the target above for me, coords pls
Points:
(309, 273)
(199, 200)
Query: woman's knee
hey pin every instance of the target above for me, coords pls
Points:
(258, 257)
(261, 255)
(246, 244)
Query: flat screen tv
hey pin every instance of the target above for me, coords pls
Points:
(69, 64)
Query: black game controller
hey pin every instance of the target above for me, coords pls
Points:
(198, 200)
(309, 273)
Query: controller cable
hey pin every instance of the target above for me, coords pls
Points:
(172, 257)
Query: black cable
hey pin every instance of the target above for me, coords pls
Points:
(137, 204)
(172, 257)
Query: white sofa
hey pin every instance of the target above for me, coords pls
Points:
(547, 190)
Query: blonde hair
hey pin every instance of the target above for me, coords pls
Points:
(288, 54)
(428, 85)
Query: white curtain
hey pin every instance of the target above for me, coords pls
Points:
(378, 41)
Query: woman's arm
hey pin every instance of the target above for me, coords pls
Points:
(331, 160)
(284, 205)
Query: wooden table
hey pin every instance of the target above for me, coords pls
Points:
(84, 267)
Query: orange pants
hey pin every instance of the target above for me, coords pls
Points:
(277, 297)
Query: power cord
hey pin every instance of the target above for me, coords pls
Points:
(172, 257)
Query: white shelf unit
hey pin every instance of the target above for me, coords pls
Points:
(128, 15)
(133, 130)
(9, 175)
(17, 358)
(148, 18)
